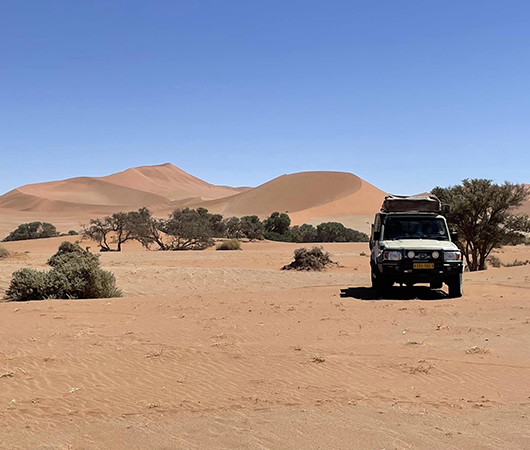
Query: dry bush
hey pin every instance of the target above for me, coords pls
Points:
(75, 273)
(314, 259)
(318, 359)
(4, 253)
(517, 263)
(477, 350)
(231, 244)
(494, 261)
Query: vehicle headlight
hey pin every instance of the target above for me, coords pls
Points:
(435, 255)
(452, 256)
(392, 256)
(411, 254)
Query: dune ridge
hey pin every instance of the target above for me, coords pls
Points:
(316, 193)
(306, 196)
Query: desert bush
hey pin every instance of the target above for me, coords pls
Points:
(273, 236)
(32, 230)
(252, 227)
(28, 284)
(277, 223)
(233, 228)
(517, 263)
(494, 261)
(72, 233)
(74, 273)
(4, 253)
(314, 259)
(337, 232)
(232, 244)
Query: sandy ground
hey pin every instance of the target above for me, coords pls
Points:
(222, 350)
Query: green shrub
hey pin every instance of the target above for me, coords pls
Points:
(32, 230)
(74, 273)
(252, 227)
(273, 236)
(232, 244)
(337, 232)
(4, 253)
(314, 259)
(28, 284)
(277, 223)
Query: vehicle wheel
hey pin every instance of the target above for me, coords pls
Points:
(436, 285)
(376, 281)
(455, 286)
(379, 282)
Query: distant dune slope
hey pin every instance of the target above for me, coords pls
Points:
(305, 191)
(170, 182)
(151, 186)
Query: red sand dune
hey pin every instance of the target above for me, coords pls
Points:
(170, 182)
(317, 193)
(305, 196)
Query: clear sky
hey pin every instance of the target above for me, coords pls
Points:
(406, 94)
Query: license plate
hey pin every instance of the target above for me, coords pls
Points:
(424, 265)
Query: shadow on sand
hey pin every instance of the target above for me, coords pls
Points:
(394, 293)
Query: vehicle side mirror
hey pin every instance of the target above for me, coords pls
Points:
(454, 236)
(377, 235)
(446, 209)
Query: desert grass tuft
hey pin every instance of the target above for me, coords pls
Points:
(231, 244)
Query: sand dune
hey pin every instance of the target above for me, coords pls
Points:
(169, 182)
(150, 186)
(344, 192)
(306, 196)
(76, 194)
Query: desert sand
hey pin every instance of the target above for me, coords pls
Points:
(222, 350)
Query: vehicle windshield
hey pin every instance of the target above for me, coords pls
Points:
(415, 228)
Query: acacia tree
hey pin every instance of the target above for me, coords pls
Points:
(98, 230)
(277, 223)
(32, 230)
(233, 228)
(145, 228)
(189, 229)
(114, 228)
(252, 227)
(483, 215)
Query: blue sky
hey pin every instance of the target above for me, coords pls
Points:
(406, 94)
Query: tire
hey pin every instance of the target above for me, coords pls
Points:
(436, 285)
(455, 286)
(379, 282)
(376, 282)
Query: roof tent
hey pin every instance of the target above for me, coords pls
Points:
(423, 203)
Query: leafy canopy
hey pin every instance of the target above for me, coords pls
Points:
(483, 214)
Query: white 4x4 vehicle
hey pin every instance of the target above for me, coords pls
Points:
(410, 243)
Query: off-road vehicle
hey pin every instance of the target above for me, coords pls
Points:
(410, 243)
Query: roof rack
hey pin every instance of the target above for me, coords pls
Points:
(415, 203)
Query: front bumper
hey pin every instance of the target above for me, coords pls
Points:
(404, 272)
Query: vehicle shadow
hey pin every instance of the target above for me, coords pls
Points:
(394, 293)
